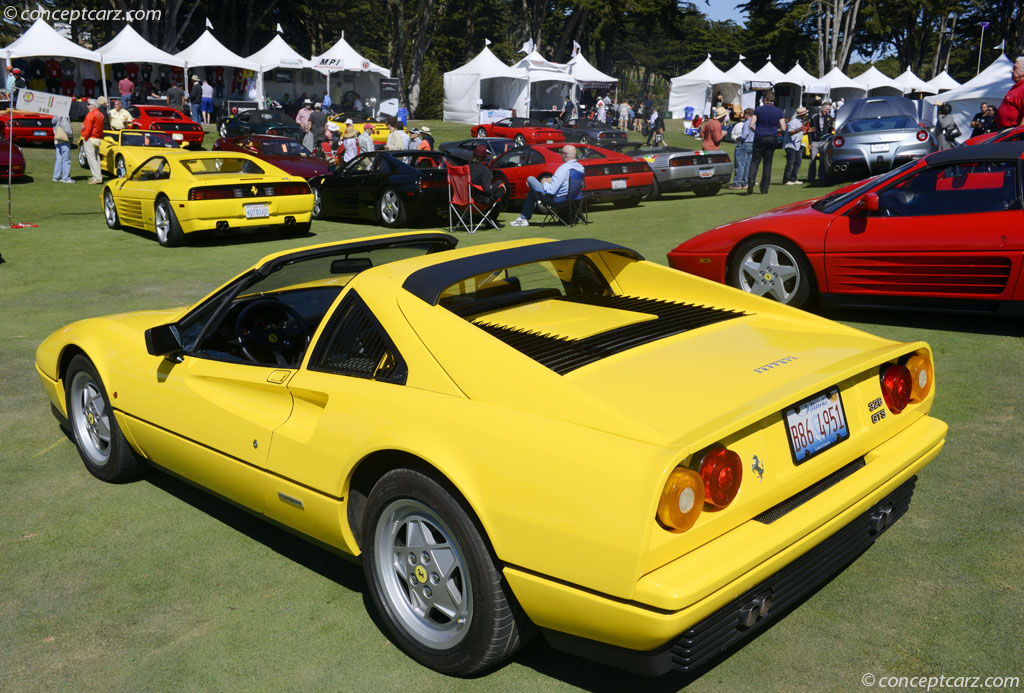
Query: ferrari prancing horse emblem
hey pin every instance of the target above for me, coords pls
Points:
(758, 468)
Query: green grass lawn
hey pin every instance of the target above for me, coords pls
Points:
(155, 586)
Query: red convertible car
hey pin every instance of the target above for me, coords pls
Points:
(944, 232)
(610, 176)
(12, 162)
(27, 127)
(523, 130)
(283, 152)
(180, 127)
(1008, 135)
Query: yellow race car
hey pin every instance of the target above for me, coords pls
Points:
(122, 150)
(646, 466)
(177, 192)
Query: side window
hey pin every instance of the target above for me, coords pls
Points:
(534, 157)
(510, 160)
(355, 344)
(154, 169)
(969, 188)
(504, 123)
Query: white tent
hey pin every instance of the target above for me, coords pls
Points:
(842, 87)
(770, 73)
(278, 55)
(942, 82)
(809, 83)
(129, 47)
(207, 51)
(875, 81)
(911, 83)
(991, 86)
(41, 39)
(695, 89)
(788, 90)
(484, 83)
(549, 82)
(358, 75)
(589, 77)
(739, 73)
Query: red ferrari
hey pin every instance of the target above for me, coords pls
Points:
(609, 176)
(1008, 135)
(523, 130)
(12, 162)
(27, 127)
(165, 119)
(944, 232)
(283, 152)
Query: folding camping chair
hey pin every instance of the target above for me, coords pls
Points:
(471, 215)
(573, 208)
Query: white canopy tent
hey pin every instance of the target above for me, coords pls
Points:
(942, 82)
(589, 77)
(739, 73)
(358, 75)
(129, 47)
(912, 83)
(842, 87)
(990, 85)
(878, 84)
(549, 82)
(788, 91)
(696, 88)
(484, 82)
(809, 83)
(41, 39)
(278, 55)
(206, 51)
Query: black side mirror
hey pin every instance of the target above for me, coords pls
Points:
(164, 340)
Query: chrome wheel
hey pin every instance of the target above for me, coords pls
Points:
(162, 222)
(389, 207)
(89, 417)
(519, 140)
(317, 203)
(771, 271)
(119, 167)
(82, 160)
(223, 130)
(110, 209)
(424, 574)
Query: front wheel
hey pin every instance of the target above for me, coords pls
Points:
(223, 129)
(433, 579)
(774, 269)
(391, 209)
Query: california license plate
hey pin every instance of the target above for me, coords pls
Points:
(883, 147)
(177, 137)
(619, 184)
(706, 172)
(257, 211)
(39, 133)
(816, 424)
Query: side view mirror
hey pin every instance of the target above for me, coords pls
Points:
(184, 145)
(868, 203)
(164, 340)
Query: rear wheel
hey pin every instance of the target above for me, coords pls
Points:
(707, 190)
(772, 268)
(318, 203)
(584, 139)
(168, 230)
(223, 129)
(520, 140)
(655, 192)
(391, 208)
(120, 170)
(82, 160)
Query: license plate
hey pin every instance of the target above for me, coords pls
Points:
(257, 211)
(551, 141)
(39, 133)
(619, 184)
(706, 172)
(884, 147)
(177, 137)
(816, 424)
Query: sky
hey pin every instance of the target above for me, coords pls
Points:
(721, 10)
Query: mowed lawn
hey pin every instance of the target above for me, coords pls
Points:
(155, 586)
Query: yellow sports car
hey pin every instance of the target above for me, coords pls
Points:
(122, 150)
(174, 193)
(535, 434)
(380, 129)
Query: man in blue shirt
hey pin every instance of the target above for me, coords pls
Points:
(553, 189)
(326, 102)
(767, 123)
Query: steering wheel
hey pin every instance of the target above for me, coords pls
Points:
(279, 332)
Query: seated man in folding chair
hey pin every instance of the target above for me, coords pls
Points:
(554, 189)
(483, 190)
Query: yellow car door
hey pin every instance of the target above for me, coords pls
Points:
(135, 196)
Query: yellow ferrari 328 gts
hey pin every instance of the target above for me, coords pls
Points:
(549, 436)
(173, 193)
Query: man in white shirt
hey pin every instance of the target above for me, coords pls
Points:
(120, 118)
(553, 189)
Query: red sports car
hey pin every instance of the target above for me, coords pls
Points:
(610, 176)
(283, 152)
(523, 130)
(946, 231)
(12, 162)
(180, 127)
(27, 127)
(1008, 135)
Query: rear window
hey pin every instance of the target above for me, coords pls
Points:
(890, 123)
(202, 167)
(162, 113)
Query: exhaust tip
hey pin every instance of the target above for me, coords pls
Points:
(754, 610)
(881, 519)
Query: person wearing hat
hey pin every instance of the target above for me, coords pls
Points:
(793, 144)
(92, 135)
(334, 135)
(19, 84)
(415, 141)
(427, 137)
(195, 99)
(481, 179)
(711, 130)
(365, 140)
(10, 79)
(350, 148)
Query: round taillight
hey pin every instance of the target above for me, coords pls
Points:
(721, 471)
(922, 135)
(897, 386)
(921, 376)
(682, 500)
(839, 141)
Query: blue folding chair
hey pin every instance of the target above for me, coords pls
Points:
(573, 208)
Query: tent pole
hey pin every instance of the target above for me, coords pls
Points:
(10, 151)
(103, 80)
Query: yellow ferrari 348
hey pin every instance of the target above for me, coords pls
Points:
(173, 193)
(122, 150)
(520, 437)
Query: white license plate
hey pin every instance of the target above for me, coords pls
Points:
(884, 147)
(551, 141)
(619, 184)
(257, 211)
(705, 173)
(39, 133)
(816, 424)
(177, 137)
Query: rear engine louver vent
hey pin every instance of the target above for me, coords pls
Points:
(564, 355)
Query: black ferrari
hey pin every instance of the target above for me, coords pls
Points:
(462, 151)
(271, 122)
(393, 188)
(592, 132)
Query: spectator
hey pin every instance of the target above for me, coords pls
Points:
(417, 141)
(711, 132)
(427, 137)
(19, 84)
(326, 102)
(793, 144)
(601, 112)
(125, 87)
(334, 135)
(743, 136)
(195, 99)
(480, 176)
(11, 78)
(102, 101)
(62, 134)
(349, 143)
(357, 105)
(207, 102)
(176, 97)
(839, 104)
(982, 121)
(120, 118)
(365, 141)
(767, 123)
(397, 139)
(946, 129)
(318, 127)
(652, 123)
(92, 135)
(822, 124)
(623, 115)
(552, 189)
(302, 117)
(568, 110)
(1011, 110)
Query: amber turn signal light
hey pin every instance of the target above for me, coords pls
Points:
(921, 375)
(681, 500)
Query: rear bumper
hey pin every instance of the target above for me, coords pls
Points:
(229, 215)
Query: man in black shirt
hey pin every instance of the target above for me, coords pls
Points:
(176, 97)
(195, 99)
(318, 127)
(482, 179)
(822, 124)
(983, 120)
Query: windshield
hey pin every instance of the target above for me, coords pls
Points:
(276, 117)
(830, 203)
(283, 148)
(201, 167)
(146, 139)
(896, 122)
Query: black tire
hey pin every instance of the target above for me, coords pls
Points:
(120, 170)
(484, 625)
(519, 140)
(391, 209)
(584, 139)
(110, 210)
(655, 192)
(830, 177)
(91, 418)
(628, 202)
(707, 190)
(773, 268)
(169, 234)
(318, 203)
